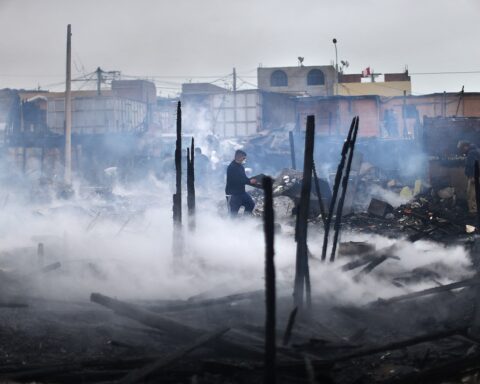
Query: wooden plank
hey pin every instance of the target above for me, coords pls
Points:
(460, 284)
(150, 369)
(401, 344)
(175, 329)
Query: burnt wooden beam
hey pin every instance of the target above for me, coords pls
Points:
(477, 192)
(401, 344)
(192, 304)
(143, 373)
(363, 260)
(302, 215)
(177, 197)
(270, 290)
(181, 331)
(292, 149)
(146, 317)
(177, 241)
(372, 265)
(338, 218)
(448, 287)
(40, 371)
(191, 186)
(336, 186)
(474, 329)
(439, 372)
(51, 267)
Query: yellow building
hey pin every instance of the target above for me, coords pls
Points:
(388, 84)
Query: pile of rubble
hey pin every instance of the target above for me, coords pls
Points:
(286, 189)
(427, 215)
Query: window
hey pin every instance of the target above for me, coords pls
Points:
(315, 77)
(278, 79)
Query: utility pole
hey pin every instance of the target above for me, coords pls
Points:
(99, 80)
(336, 66)
(234, 80)
(235, 100)
(68, 111)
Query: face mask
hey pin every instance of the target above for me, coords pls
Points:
(244, 162)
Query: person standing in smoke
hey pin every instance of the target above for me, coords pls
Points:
(202, 167)
(235, 188)
(472, 154)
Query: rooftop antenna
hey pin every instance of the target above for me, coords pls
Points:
(345, 64)
(300, 61)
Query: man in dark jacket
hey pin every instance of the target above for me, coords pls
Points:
(472, 154)
(235, 188)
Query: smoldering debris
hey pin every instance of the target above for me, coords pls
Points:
(155, 330)
(101, 300)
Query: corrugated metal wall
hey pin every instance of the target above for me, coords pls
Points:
(92, 115)
(236, 114)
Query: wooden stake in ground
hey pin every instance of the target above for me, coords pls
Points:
(292, 150)
(338, 217)
(336, 186)
(477, 192)
(270, 323)
(301, 271)
(177, 243)
(191, 186)
(177, 197)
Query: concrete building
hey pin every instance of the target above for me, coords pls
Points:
(318, 80)
(322, 81)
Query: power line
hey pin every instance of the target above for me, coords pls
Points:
(443, 73)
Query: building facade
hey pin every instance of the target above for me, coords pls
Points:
(316, 80)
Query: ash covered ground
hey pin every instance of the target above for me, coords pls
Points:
(92, 291)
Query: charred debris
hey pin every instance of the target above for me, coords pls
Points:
(418, 335)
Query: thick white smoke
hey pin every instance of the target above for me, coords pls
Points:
(123, 248)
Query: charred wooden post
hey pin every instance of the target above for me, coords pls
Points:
(191, 186)
(292, 150)
(336, 186)
(302, 223)
(270, 299)
(477, 192)
(318, 193)
(338, 218)
(177, 197)
(474, 329)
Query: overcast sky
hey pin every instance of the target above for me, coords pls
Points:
(175, 41)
